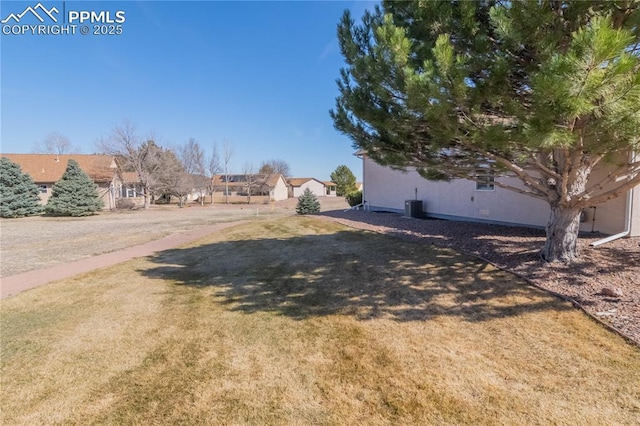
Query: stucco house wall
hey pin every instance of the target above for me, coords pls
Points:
(279, 189)
(330, 189)
(388, 189)
(300, 184)
(635, 212)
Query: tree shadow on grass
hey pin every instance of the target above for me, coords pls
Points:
(512, 247)
(352, 273)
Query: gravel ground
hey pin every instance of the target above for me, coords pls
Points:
(615, 265)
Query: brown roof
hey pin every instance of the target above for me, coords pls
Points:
(51, 167)
(273, 180)
(328, 183)
(129, 177)
(300, 181)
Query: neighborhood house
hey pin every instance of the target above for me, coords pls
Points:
(238, 186)
(116, 186)
(46, 169)
(298, 185)
(331, 189)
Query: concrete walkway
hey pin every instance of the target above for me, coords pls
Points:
(14, 284)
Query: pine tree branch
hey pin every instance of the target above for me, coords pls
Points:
(520, 190)
(588, 200)
(626, 170)
(538, 162)
(595, 160)
(602, 188)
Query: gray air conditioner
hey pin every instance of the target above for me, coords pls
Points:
(413, 208)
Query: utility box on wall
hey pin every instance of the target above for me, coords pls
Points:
(413, 208)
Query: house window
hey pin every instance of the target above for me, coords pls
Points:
(485, 180)
(43, 189)
(128, 192)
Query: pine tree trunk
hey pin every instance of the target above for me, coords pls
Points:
(562, 235)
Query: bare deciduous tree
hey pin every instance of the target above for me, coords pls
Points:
(213, 167)
(227, 154)
(55, 143)
(143, 158)
(269, 169)
(192, 157)
(250, 180)
(276, 166)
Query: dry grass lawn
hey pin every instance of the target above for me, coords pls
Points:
(304, 321)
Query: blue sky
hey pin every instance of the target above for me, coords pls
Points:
(260, 75)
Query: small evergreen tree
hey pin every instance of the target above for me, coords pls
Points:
(18, 193)
(308, 203)
(74, 194)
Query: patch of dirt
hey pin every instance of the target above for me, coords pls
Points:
(615, 265)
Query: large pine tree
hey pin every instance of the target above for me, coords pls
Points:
(344, 179)
(542, 91)
(19, 196)
(74, 194)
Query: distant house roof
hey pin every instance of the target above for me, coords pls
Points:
(129, 177)
(51, 167)
(273, 180)
(327, 183)
(297, 182)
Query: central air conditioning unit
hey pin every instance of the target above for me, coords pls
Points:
(413, 208)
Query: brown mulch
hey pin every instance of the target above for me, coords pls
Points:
(615, 265)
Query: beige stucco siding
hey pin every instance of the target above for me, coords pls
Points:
(103, 188)
(459, 199)
(609, 217)
(315, 186)
(45, 195)
(280, 191)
